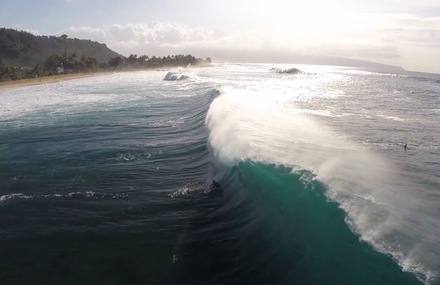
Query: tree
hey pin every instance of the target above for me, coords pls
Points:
(64, 37)
(144, 57)
(132, 58)
(115, 61)
(37, 71)
(54, 61)
(91, 62)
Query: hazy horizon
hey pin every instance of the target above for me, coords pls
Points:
(395, 32)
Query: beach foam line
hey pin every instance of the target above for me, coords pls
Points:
(48, 79)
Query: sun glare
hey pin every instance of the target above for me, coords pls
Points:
(305, 19)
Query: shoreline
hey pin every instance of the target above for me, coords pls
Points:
(48, 79)
(70, 76)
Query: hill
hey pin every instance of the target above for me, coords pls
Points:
(24, 55)
(25, 49)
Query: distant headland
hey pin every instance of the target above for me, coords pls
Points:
(25, 56)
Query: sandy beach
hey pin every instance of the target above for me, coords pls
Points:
(47, 79)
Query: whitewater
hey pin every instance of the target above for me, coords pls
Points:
(107, 179)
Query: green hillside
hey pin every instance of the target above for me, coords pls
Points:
(24, 55)
(27, 50)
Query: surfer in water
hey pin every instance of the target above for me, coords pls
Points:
(405, 146)
(214, 185)
(215, 188)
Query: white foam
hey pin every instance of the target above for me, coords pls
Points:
(81, 95)
(264, 127)
(85, 194)
(14, 196)
(394, 118)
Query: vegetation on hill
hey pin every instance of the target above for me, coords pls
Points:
(24, 55)
(25, 49)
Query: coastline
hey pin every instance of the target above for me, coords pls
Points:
(48, 79)
(70, 76)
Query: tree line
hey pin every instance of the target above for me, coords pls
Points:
(24, 55)
(58, 64)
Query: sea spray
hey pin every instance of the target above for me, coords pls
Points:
(265, 127)
(95, 206)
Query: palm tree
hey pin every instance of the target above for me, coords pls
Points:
(132, 58)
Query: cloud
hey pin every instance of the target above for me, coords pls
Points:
(145, 39)
(159, 33)
(408, 29)
(398, 39)
(386, 38)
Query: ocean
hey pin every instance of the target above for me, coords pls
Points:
(109, 179)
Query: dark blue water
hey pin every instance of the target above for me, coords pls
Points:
(84, 196)
(107, 181)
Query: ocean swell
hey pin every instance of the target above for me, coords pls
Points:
(259, 132)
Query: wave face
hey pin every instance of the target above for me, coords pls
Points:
(275, 226)
(107, 179)
(86, 167)
(276, 126)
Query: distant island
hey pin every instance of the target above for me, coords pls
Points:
(24, 55)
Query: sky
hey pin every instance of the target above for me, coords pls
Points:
(405, 33)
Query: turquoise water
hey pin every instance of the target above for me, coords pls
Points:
(106, 180)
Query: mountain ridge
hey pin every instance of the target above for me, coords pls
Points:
(22, 48)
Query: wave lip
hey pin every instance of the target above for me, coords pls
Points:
(255, 126)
